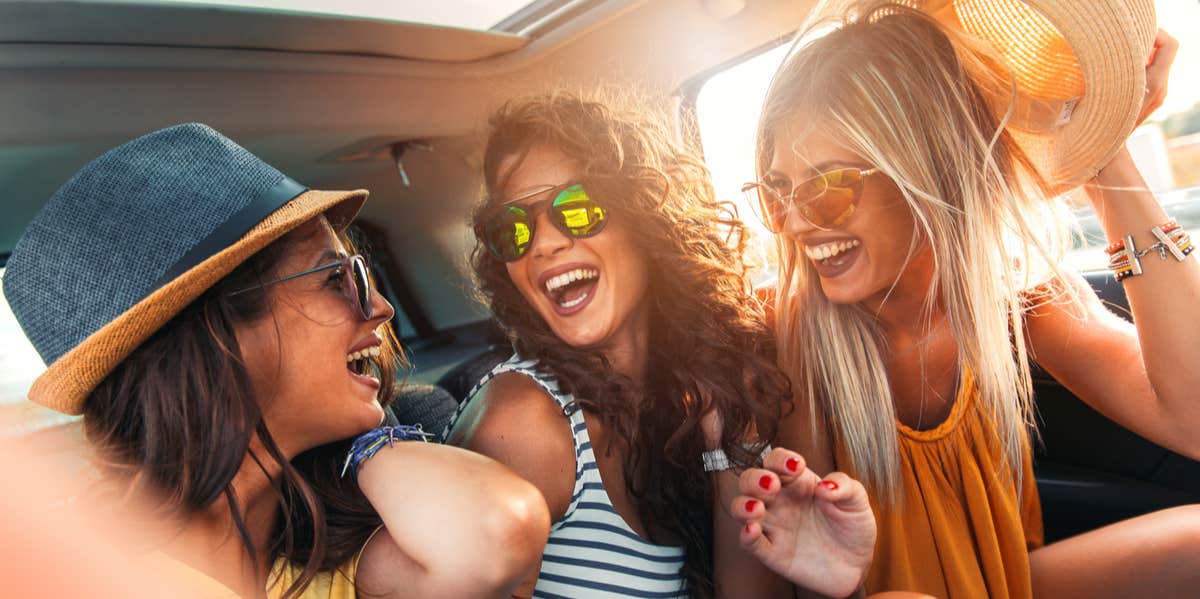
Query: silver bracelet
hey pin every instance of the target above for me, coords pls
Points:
(715, 460)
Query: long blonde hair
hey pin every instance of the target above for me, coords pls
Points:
(918, 102)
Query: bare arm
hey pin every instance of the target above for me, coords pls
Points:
(1145, 375)
(457, 524)
(498, 423)
(805, 430)
(737, 572)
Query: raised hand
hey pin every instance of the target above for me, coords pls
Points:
(1158, 67)
(819, 534)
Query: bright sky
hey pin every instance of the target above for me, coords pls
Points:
(470, 14)
(1181, 18)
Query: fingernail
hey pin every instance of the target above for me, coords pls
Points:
(750, 505)
(765, 482)
(792, 464)
(828, 484)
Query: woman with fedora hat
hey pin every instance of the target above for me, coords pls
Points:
(905, 166)
(204, 314)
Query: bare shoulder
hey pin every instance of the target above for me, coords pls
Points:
(513, 420)
(1062, 312)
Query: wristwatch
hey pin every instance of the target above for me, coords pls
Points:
(715, 460)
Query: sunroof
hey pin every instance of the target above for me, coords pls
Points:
(466, 14)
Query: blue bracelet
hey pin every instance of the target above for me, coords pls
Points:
(370, 442)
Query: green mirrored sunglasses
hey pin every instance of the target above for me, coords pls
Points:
(509, 232)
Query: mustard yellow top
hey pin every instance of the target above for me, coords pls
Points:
(338, 584)
(961, 530)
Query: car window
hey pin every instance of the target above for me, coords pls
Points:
(1166, 148)
(470, 14)
(727, 109)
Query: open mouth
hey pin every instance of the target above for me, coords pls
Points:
(364, 364)
(572, 288)
(831, 254)
(833, 258)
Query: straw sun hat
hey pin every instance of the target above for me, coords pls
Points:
(137, 235)
(1079, 68)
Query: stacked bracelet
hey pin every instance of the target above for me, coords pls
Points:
(1125, 260)
(370, 442)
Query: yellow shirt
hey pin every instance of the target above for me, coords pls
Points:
(961, 531)
(338, 584)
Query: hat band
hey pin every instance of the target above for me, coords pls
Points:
(235, 227)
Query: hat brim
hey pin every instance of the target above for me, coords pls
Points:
(67, 382)
(1106, 44)
(1111, 44)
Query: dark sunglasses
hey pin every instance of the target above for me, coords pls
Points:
(826, 201)
(509, 232)
(356, 283)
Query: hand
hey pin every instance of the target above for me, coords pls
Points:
(1158, 67)
(1121, 170)
(819, 534)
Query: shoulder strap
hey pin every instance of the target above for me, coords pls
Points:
(565, 401)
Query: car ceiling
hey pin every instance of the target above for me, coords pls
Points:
(79, 78)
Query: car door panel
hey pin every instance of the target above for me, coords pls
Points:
(1090, 470)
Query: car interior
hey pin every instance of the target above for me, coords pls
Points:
(399, 108)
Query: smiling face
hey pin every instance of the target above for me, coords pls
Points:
(860, 260)
(590, 291)
(305, 355)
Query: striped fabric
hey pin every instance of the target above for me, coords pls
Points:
(592, 553)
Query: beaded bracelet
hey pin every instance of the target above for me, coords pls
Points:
(370, 442)
(1124, 259)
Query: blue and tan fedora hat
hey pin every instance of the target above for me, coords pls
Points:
(136, 236)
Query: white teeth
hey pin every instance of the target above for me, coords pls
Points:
(574, 302)
(829, 250)
(370, 352)
(555, 283)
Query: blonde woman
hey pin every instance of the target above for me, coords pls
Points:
(907, 317)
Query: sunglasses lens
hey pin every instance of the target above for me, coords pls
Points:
(828, 200)
(361, 286)
(577, 213)
(767, 205)
(508, 234)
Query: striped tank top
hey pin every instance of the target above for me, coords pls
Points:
(592, 553)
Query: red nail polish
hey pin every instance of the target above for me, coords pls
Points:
(828, 484)
(747, 529)
(750, 505)
(765, 482)
(792, 464)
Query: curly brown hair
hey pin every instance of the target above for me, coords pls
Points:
(710, 346)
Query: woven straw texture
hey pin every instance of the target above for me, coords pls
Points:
(1079, 68)
(81, 278)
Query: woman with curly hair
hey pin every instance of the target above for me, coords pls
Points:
(639, 350)
(919, 275)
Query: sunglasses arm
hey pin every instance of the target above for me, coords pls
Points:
(289, 277)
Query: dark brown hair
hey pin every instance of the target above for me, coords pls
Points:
(710, 346)
(175, 420)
